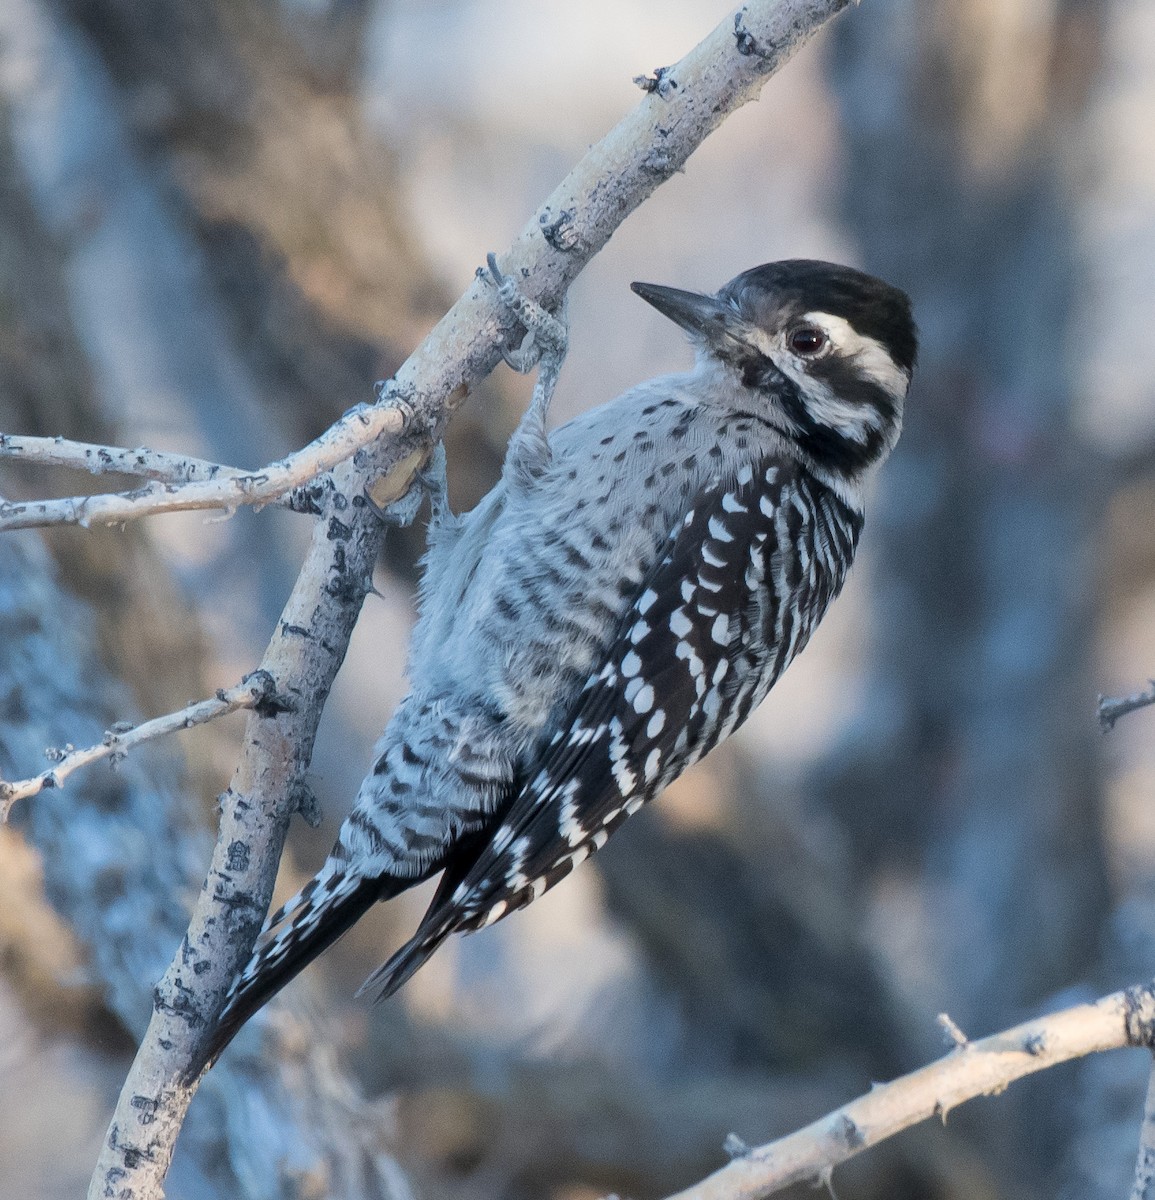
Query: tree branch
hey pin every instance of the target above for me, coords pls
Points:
(253, 690)
(981, 1068)
(229, 489)
(646, 148)
(1111, 708)
(97, 459)
(110, 460)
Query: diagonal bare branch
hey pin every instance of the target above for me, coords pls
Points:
(974, 1068)
(252, 691)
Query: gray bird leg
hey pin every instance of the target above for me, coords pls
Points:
(545, 344)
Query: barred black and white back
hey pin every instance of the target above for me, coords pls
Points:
(743, 583)
(617, 606)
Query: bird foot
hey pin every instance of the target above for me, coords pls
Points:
(429, 481)
(546, 336)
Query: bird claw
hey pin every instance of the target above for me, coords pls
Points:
(399, 513)
(431, 480)
(546, 335)
(525, 357)
(544, 345)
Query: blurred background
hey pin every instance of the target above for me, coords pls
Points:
(222, 220)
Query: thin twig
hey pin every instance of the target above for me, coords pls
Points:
(1111, 708)
(111, 460)
(253, 691)
(954, 1034)
(229, 489)
(987, 1068)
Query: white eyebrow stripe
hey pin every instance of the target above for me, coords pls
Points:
(868, 353)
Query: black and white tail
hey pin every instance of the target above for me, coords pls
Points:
(309, 923)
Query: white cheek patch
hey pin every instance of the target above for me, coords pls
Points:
(853, 421)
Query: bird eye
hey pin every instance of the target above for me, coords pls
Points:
(807, 340)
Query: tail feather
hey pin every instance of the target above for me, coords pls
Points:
(404, 964)
(442, 918)
(326, 908)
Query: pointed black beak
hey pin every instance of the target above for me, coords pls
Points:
(693, 311)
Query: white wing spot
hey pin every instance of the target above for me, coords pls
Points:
(631, 665)
(720, 631)
(696, 667)
(644, 700)
(638, 632)
(771, 475)
(719, 531)
(495, 913)
(646, 601)
(720, 671)
(599, 839)
(680, 624)
(657, 723)
(731, 504)
(623, 776)
(712, 558)
(569, 826)
(650, 770)
(766, 506)
(745, 474)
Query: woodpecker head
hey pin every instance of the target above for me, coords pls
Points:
(829, 349)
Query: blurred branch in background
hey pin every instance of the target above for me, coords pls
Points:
(1144, 1185)
(1111, 708)
(982, 754)
(980, 1068)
